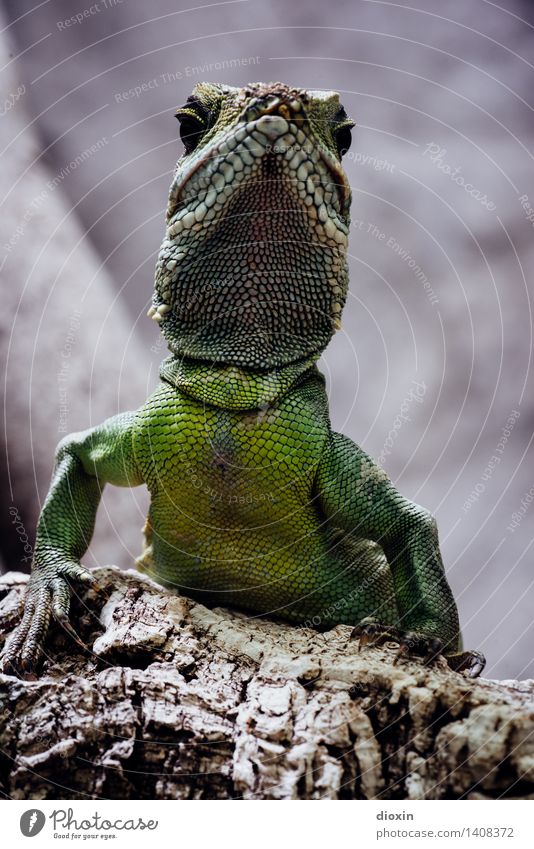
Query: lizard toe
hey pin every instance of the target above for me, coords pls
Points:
(61, 608)
(372, 632)
(470, 662)
(11, 653)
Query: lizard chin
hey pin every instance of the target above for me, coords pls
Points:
(252, 270)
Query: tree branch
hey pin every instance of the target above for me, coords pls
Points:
(173, 700)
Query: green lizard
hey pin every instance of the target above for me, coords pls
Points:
(255, 502)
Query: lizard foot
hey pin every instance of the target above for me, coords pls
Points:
(371, 632)
(46, 596)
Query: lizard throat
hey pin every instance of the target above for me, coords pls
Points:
(231, 387)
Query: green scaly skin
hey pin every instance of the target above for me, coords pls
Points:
(255, 502)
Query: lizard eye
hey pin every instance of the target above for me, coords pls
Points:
(343, 139)
(194, 119)
(191, 129)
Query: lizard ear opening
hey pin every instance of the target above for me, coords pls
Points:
(194, 119)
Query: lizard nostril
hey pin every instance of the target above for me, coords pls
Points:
(283, 104)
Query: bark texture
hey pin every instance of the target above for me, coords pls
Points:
(173, 700)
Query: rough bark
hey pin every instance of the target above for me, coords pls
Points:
(173, 700)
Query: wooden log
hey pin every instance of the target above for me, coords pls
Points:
(173, 700)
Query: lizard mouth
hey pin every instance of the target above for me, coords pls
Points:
(307, 171)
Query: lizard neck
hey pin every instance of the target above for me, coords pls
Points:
(232, 387)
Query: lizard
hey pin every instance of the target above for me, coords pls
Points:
(256, 503)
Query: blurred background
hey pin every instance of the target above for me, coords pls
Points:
(431, 372)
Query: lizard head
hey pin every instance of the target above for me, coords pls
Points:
(252, 270)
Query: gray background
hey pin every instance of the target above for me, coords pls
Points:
(77, 279)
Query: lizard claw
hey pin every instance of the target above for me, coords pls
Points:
(63, 620)
(76, 573)
(470, 662)
(403, 651)
(369, 633)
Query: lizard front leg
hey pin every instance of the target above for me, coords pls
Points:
(356, 495)
(84, 463)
